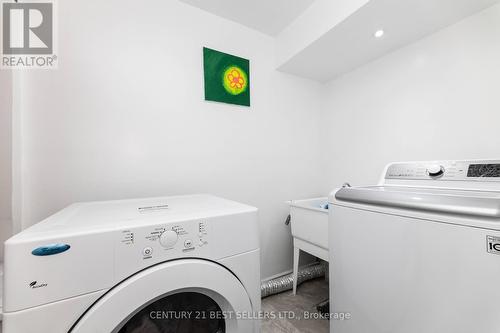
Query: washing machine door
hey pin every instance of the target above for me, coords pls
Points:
(188, 295)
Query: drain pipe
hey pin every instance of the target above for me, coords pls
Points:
(285, 282)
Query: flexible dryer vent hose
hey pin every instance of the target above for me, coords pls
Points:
(285, 282)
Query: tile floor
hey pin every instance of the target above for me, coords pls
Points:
(309, 294)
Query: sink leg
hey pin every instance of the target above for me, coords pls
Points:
(296, 255)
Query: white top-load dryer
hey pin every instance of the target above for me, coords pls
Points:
(420, 252)
(172, 264)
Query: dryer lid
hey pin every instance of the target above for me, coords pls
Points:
(483, 204)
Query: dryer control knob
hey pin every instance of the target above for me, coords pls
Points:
(168, 238)
(435, 170)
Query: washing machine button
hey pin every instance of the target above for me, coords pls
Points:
(147, 251)
(188, 243)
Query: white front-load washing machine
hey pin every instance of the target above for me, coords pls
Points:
(419, 252)
(171, 264)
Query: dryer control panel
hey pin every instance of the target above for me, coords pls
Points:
(487, 170)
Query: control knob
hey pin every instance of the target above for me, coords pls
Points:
(435, 170)
(168, 238)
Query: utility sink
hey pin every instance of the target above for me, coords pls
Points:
(309, 221)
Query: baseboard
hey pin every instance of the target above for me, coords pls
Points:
(286, 272)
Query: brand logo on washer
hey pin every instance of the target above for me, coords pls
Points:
(493, 244)
(35, 284)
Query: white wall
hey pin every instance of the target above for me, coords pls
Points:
(5, 156)
(124, 116)
(435, 99)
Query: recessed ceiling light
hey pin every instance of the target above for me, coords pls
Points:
(378, 33)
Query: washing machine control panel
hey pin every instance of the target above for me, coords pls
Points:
(487, 170)
(141, 247)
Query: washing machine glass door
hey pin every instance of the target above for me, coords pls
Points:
(179, 312)
(180, 296)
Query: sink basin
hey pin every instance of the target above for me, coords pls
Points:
(310, 224)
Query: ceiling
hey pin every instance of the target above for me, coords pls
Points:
(327, 38)
(351, 43)
(267, 16)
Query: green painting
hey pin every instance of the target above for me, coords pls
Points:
(227, 78)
